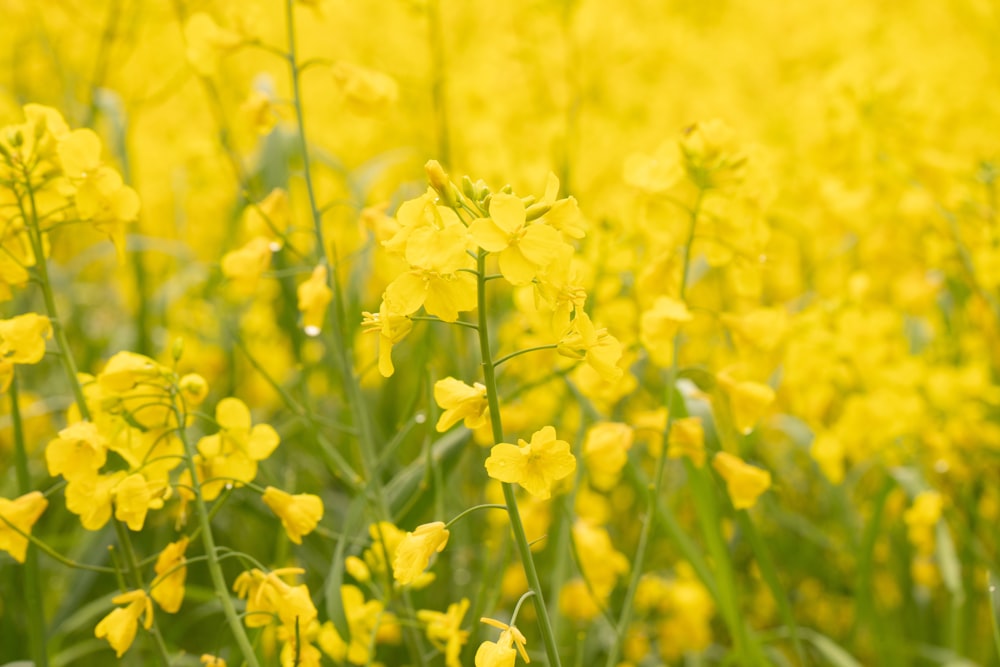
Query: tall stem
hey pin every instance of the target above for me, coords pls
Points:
(69, 367)
(341, 337)
(208, 541)
(661, 459)
(520, 538)
(32, 586)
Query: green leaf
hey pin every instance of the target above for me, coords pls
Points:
(832, 652)
(994, 600)
(353, 522)
(770, 574)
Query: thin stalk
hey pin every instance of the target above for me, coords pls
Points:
(41, 266)
(661, 459)
(341, 339)
(135, 573)
(439, 95)
(208, 541)
(53, 554)
(32, 586)
(520, 538)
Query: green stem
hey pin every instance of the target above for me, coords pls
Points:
(439, 84)
(520, 538)
(486, 506)
(512, 355)
(32, 586)
(135, 573)
(341, 339)
(55, 555)
(41, 266)
(208, 541)
(661, 459)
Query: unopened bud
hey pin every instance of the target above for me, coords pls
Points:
(535, 211)
(177, 349)
(439, 180)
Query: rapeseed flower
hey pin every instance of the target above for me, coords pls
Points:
(535, 465)
(168, 587)
(744, 482)
(299, 514)
(22, 513)
(119, 627)
(460, 402)
(415, 551)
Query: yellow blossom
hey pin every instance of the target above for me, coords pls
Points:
(168, 587)
(501, 653)
(744, 482)
(595, 347)
(91, 498)
(314, 296)
(365, 90)
(79, 451)
(535, 465)
(120, 625)
(207, 42)
(605, 451)
(747, 399)
(245, 265)
(524, 248)
(391, 328)
(299, 514)
(444, 630)
(416, 549)
(460, 402)
(22, 513)
(687, 438)
(659, 325)
(22, 338)
(134, 496)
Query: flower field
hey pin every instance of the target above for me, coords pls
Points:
(433, 333)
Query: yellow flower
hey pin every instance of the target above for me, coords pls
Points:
(22, 512)
(460, 402)
(922, 518)
(659, 325)
(595, 347)
(366, 90)
(299, 514)
(358, 569)
(605, 451)
(744, 482)
(79, 452)
(90, 498)
(391, 328)
(231, 455)
(134, 496)
(209, 660)
(268, 596)
(193, 388)
(314, 296)
(207, 42)
(362, 619)
(168, 587)
(22, 338)
(120, 625)
(501, 653)
(269, 218)
(245, 265)
(747, 400)
(445, 632)
(525, 249)
(416, 549)
(536, 466)
(687, 438)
